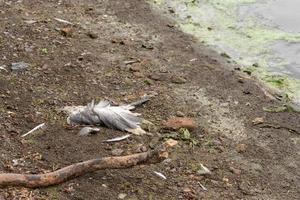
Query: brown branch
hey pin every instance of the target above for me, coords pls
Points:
(78, 169)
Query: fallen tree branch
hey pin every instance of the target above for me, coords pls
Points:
(78, 169)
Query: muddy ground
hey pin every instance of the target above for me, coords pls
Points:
(73, 64)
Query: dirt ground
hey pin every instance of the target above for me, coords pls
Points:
(74, 64)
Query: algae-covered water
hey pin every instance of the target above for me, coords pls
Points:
(262, 36)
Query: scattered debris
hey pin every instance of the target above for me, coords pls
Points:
(203, 170)
(19, 66)
(258, 120)
(160, 175)
(122, 196)
(202, 186)
(88, 131)
(117, 139)
(63, 21)
(34, 129)
(181, 122)
(114, 117)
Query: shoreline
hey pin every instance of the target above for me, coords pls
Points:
(225, 34)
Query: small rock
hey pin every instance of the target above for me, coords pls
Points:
(181, 122)
(258, 120)
(187, 190)
(92, 35)
(155, 77)
(178, 80)
(241, 148)
(148, 126)
(117, 152)
(138, 74)
(19, 66)
(135, 68)
(180, 114)
(140, 148)
(122, 196)
(235, 171)
(67, 32)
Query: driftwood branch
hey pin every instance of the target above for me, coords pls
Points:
(78, 169)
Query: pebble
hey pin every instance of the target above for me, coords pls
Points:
(178, 80)
(19, 66)
(122, 196)
(138, 74)
(117, 152)
(135, 68)
(181, 122)
(92, 35)
(241, 148)
(235, 171)
(180, 114)
(67, 32)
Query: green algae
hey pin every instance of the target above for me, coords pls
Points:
(246, 41)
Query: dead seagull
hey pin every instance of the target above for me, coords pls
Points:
(103, 113)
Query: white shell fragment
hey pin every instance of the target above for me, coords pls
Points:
(117, 139)
(203, 170)
(160, 175)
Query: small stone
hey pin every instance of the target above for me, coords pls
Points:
(235, 171)
(67, 32)
(155, 77)
(135, 68)
(19, 66)
(181, 122)
(122, 196)
(117, 152)
(187, 190)
(92, 35)
(178, 80)
(148, 126)
(241, 148)
(258, 120)
(138, 74)
(180, 114)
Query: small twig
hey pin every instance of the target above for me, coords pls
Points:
(277, 126)
(62, 175)
(34, 129)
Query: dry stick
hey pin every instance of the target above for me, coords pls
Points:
(78, 169)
